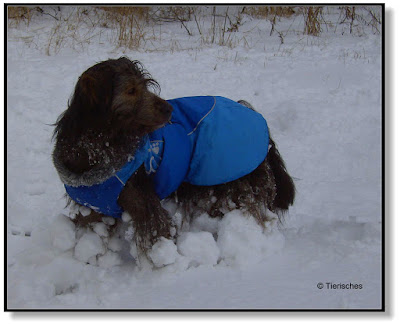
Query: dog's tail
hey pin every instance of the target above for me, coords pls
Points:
(285, 188)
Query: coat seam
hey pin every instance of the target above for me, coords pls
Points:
(199, 122)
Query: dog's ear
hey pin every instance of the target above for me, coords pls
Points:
(94, 91)
(90, 103)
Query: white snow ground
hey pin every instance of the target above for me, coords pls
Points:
(322, 99)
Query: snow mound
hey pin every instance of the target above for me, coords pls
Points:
(200, 248)
(242, 241)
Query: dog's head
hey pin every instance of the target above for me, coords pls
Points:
(114, 96)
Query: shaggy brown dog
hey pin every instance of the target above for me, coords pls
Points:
(111, 109)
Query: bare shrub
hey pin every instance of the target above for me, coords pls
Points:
(173, 13)
(74, 29)
(374, 18)
(358, 17)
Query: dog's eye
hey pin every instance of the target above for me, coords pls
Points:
(132, 91)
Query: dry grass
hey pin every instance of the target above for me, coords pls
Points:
(312, 20)
(17, 15)
(113, 15)
(74, 30)
(130, 24)
(269, 12)
(133, 26)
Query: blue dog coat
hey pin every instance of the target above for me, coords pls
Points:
(209, 141)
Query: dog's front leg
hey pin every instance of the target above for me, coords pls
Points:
(150, 220)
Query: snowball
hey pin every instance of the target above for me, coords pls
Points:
(242, 240)
(164, 252)
(126, 217)
(62, 233)
(108, 260)
(108, 220)
(89, 245)
(85, 211)
(115, 244)
(73, 210)
(129, 233)
(199, 247)
(93, 260)
(101, 229)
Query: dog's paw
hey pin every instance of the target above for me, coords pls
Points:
(155, 247)
(160, 225)
(149, 230)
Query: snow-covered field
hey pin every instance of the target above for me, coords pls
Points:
(322, 99)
